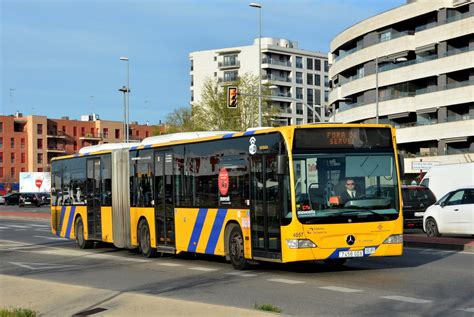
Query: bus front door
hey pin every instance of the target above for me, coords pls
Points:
(265, 215)
(94, 198)
(164, 207)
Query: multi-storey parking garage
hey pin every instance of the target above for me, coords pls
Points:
(411, 67)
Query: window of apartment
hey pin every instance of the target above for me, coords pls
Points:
(40, 158)
(299, 121)
(299, 108)
(106, 132)
(192, 80)
(75, 146)
(215, 74)
(215, 58)
(92, 131)
(230, 75)
(1, 127)
(326, 66)
(309, 96)
(23, 169)
(83, 131)
(299, 93)
(299, 62)
(317, 80)
(64, 128)
(39, 128)
(74, 131)
(22, 144)
(192, 65)
(117, 133)
(230, 60)
(12, 172)
(309, 79)
(317, 65)
(147, 134)
(1, 143)
(385, 36)
(326, 95)
(12, 143)
(192, 95)
(39, 144)
(1, 157)
(12, 158)
(317, 96)
(40, 169)
(1, 172)
(23, 158)
(326, 81)
(299, 78)
(137, 133)
(309, 63)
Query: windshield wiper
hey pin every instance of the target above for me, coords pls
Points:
(357, 208)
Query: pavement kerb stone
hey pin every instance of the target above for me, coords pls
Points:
(58, 299)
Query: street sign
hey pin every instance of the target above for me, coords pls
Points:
(424, 166)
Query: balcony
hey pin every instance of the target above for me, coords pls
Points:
(91, 136)
(272, 77)
(56, 135)
(276, 62)
(56, 149)
(229, 64)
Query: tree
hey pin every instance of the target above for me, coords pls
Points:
(212, 112)
(180, 120)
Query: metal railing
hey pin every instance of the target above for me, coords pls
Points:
(229, 64)
(276, 62)
(276, 78)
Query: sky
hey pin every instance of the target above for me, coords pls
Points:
(62, 57)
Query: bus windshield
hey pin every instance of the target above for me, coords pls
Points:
(346, 183)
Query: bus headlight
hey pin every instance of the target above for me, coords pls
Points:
(394, 239)
(300, 244)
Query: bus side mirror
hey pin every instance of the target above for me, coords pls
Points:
(401, 163)
(282, 164)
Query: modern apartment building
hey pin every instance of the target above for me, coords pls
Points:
(27, 144)
(411, 67)
(299, 75)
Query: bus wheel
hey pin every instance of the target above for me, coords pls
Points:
(236, 249)
(335, 263)
(80, 239)
(144, 240)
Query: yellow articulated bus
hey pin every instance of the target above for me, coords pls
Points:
(313, 192)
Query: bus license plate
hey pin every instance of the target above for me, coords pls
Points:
(351, 254)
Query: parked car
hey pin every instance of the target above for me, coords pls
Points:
(416, 199)
(12, 198)
(45, 198)
(30, 199)
(452, 214)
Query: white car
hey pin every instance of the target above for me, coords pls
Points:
(452, 214)
(2, 200)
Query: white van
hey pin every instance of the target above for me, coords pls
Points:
(442, 179)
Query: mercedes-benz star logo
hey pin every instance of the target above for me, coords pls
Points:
(350, 240)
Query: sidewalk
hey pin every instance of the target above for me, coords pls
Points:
(57, 299)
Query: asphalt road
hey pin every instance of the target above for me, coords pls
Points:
(422, 282)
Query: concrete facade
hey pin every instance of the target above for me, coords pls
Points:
(300, 75)
(424, 54)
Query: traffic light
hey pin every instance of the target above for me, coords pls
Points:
(232, 94)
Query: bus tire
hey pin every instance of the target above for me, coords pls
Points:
(80, 238)
(236, 249)
(144, 241)
(335, 263)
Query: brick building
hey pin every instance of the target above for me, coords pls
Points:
(27, 144)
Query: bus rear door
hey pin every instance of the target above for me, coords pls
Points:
(94, 197)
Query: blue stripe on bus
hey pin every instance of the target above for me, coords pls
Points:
(197, 229)
(61, 218)
(71, 219)
(216, 231)
(147, 146)
(134, 148)
(250, 132)
(228, 135)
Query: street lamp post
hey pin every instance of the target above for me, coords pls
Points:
(126, 94)
(259, 7)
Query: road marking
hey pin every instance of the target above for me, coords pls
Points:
(18, 226)
(283, 280)
(20, 229)
(204, 269)
(408, 299)
(341, 289)
(1, 228)
(42, 226)
(169, 264)
(51, 238)
(469, 310)
(72, 252)
(41, 266)
(241, 274)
